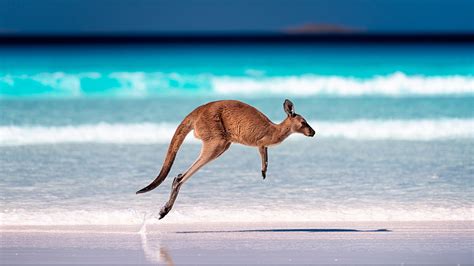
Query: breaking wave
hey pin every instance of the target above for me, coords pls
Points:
(205, 214)
(142, 84)
(423, 130)
(397, 84)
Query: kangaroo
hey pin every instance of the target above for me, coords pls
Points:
(220, 123)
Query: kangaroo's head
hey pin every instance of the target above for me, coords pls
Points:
(297, 122)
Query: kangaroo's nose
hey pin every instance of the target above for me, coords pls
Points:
(312, 133)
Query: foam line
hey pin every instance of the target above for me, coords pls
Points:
(145, 133)
(76, 216)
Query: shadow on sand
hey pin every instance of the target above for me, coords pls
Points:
(289, 230)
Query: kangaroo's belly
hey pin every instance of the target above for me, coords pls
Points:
(249, 132)
(244, 141)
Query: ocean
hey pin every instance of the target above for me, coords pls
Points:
(84, 127)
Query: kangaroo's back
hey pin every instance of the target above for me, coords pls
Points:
(230, 119)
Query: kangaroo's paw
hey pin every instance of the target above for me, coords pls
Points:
(264, 174)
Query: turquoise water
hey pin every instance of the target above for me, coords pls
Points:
(249, 71)
(82, 128)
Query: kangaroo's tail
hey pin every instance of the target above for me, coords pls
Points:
(181, 132)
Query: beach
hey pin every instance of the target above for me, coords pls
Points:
(387, 178)
(243, 243)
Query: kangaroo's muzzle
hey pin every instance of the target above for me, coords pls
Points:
(310, 132)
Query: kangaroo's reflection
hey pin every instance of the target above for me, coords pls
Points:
(154, 251)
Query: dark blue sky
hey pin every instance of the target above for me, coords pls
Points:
(152, 16)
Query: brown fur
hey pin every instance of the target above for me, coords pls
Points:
(217, 125)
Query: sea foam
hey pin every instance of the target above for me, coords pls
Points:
(397, 84)
(144, 133)
(247, 214)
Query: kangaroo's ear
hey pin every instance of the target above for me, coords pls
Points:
(288, 107)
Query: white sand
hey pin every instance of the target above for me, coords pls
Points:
(325, 243)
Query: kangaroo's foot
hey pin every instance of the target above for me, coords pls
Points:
(174, 193)
(164, 211)
(264, 174)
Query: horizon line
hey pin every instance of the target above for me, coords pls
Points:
(232, 38)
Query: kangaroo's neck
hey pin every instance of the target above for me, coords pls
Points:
(281, 131)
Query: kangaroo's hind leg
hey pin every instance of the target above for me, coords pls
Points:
(210, 150)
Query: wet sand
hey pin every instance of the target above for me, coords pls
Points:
(243, 243)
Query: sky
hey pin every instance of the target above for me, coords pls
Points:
(196, 16)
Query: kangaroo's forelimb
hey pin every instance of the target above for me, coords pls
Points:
(210, 150)
(264, 155)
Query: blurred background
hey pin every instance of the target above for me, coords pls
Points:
(128, 17)
(92, 91)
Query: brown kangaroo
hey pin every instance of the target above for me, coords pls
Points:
(217, 125)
